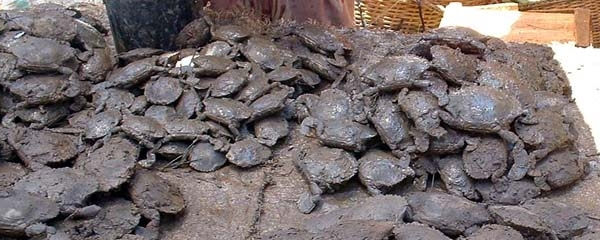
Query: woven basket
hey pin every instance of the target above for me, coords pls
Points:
(405, 15)
(569, 5)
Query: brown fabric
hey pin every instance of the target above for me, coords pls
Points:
(331, 12)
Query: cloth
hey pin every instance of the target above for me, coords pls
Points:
(331, 12)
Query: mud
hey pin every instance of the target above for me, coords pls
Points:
(283, 131)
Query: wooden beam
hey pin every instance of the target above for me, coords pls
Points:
(583, 27)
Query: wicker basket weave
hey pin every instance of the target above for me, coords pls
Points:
(568, 5)
(405, 15)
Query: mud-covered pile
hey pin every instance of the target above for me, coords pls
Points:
(454, 134)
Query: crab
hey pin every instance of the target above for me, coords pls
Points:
(438, 87)
(265, 53)
(68, 187)
(226, 111)
(230, 33)
(455, 179)
(38, 148)
(228, 83)
(89, 36)
(211, 66)
(101, 124)
(36, 90)
(485, 157)
(154, 195)
(138, 54)
(132, 74)
(204, 158)
(488, 110)
(112, 164)
(139, 105)
(160, 113)
(558, 169)
(423, 109)
(257, 86)
(248, 153)
(323, 41)
(23, 214)
(194, 34)
(320, 64)
(284, 74)
(8, 68)
(325, 169)
(501, 76)
(395, 73)
(145, 130)
(418, 231)
(37, 117)
(341, 133)
(451, 142)
(467, 40)
(163, 91)
(453, 65)
(451, 214)
(219, 49)
(43, 55)
(112, 98)
(179, 129)
(495, 231)
(332, 104)
(506, 191)
(271, 103)
(393, 126)
(270, 129)
(550, 132)
(96, 68)
(189, 103)
(379, 171)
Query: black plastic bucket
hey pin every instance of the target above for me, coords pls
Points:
(147, 23)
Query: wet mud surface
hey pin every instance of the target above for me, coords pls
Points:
(285, 131)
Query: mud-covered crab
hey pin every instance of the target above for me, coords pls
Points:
(132, 74)
(154, 195)
(379, 171)
(488, 110)
(69, 188)
(23, 214)
(455, 179)
(43, 55)
(548, 133)
(395, 73)
(485, 157)
(265, 53)
(35, 90)
(323, 41)
(226, 111)
(393, 126)
(559, 169)
(422, 107)
(325, 169)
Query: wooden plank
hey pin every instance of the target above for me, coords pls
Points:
(513, 26)
(583, 27)
(499, 6)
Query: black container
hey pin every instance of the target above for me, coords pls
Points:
(147, 23)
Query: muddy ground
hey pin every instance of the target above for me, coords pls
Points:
(279, 185)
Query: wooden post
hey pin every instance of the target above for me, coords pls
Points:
(583, 27)
(147, 23)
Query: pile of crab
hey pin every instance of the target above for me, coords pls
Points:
(83, 133)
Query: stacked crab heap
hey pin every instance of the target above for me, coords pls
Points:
(83, 133)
